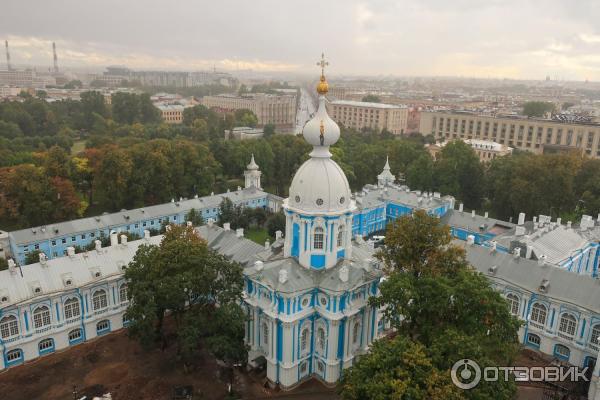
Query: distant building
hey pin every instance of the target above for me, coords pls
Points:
(537, 135)
(279, 110)
(486, 150)
(171, 113)
(25, 78)
(359, 115)
(244, 133)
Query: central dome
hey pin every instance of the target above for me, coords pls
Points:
(320, 186)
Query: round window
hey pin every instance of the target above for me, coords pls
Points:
(323, 301)
(319, 202)
(342, 200)
(297, 198)
(305, 302)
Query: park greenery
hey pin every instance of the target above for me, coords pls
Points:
(183, 293)
(68, 159)
(537, 108)
(449, 312)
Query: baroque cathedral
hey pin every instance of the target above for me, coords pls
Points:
(307, 298)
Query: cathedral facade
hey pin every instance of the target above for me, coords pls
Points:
(307, 296)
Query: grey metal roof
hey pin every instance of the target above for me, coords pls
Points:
(473, 223)
(360, 267)
(564, 286)
(106, 221)
(226, 242)
(373, 196)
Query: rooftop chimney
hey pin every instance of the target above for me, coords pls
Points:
(259, 265)
(71, 251)
(239, 232)
(124, 240)
(471, 240)
(343, 273)
(226, 226)
(98, 245)
(113, 239)
(278, 235)
(267, 244)
(283, 276)
(460, 207)
(146, 234)
(12, 267)
(485, 215)
(521, 219)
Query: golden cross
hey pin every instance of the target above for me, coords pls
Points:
(322, 64)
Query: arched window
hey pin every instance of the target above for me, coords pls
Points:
(123, 293)
(72, 308)
(304, 340)
(318, 238)
(321, 339)
(538, 313)
(75, 335)
(99, 300)
(265, 338)
(567, 325)
(46, 345)
(103, 326)
(595, 338)
(14, 356)
(513, 304)
(9, 327)
(356, 332)
(340, 236)
(562, 351)
(41, 317)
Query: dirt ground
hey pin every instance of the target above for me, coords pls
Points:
(114, 364)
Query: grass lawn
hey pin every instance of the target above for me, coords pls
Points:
(258, 235)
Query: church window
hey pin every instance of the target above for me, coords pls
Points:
(321, 339)
(123, 293)
(318, 238)
(9, 327)
(567, 324)
(562, 351)
(323, 301)
(595, 335)
(71, 308)
(265, 338)
(319, 202)
(75, 334)
(513, 304)
(340, 236)
(99, 300)
(297, 198)
(103, 326)
(14, 355)
(304, 340)
(305, 302)
(342, 200)
(45, 344)
(538, 314)
(533, 339)
(41, 317)
(355, 332)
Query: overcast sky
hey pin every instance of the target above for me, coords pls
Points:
(480, 38)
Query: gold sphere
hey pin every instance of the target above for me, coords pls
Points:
(323, 86)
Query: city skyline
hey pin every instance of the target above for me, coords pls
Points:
(518, 40)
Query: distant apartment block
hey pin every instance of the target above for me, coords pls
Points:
(531, 134)
(359, 115)
(115, 75)
(243, 133)
(26, 78)
(279, 110)
(486, 150)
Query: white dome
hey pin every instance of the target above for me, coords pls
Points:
(320, 186)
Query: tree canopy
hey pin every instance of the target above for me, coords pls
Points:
(537, 108)
(438, 304)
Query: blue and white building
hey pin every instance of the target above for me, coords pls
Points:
(307, 294)
(54, 239)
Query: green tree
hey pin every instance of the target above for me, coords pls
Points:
(32, 257)
(445, 304)
(112, 177)
(537, 108)
(92, 104)
(269, 130)
(458, 172)
(201, 290)
(400, 369)
(195, 217)
(371, 98)
(275, 222)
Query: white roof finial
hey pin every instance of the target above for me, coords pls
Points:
(252, 165)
